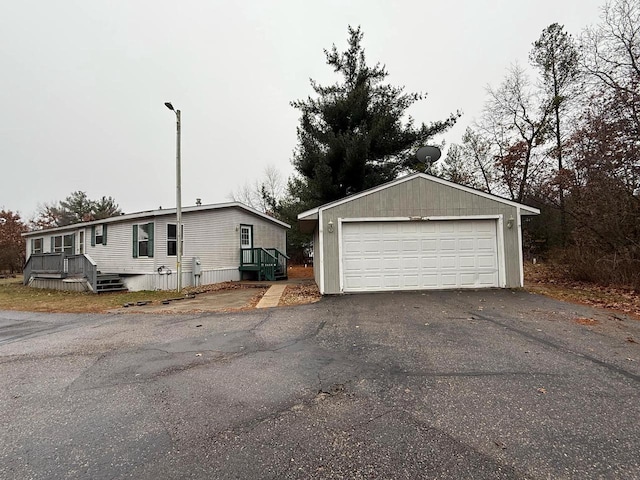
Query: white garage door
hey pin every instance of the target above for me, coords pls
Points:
(419, 255)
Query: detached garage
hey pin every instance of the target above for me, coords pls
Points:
(418, 232)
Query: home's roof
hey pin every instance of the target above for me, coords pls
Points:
(312, 215)
(159, 213)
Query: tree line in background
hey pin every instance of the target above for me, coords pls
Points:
(567, 141)
(75, 208)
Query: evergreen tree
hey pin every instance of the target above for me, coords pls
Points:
(76, 208)
(353, 134)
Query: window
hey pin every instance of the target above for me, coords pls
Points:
(172, 239)
(81, 242)
(36, 245)
(62, 243)
(143, 240)
(246, 236)
(98, 235)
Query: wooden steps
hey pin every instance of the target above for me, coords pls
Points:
(109, 282)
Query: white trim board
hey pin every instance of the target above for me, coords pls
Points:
(321, 240)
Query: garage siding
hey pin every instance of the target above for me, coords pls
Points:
(418, 197)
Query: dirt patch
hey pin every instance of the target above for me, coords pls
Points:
(300, 271)
(216, 287)
(300, 295)
(543, 280)
(231, 297)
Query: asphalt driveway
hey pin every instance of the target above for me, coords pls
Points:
(493, 384)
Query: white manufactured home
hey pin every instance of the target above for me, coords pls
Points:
(138, 251)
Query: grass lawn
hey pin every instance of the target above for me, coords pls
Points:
(16, 296)
(541, 280)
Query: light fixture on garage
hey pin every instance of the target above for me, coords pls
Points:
(330, 226)
(510, 222)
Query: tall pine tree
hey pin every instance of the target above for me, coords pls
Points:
(354, 134)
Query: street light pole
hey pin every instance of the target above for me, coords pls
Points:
(178, 199)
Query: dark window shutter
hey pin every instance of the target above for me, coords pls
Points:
(31, 247)
(150, 247)
(135, 241)
(104, 234)
(93, 236)
(73, 244)
(52, 245)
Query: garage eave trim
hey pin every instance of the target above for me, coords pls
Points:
(312, 214)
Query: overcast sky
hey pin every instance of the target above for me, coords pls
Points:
(83, 84)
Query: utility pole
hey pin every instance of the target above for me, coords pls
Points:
(178, 199)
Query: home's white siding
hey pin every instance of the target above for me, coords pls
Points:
(212, 235)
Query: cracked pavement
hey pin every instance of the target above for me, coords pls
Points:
(487, 384)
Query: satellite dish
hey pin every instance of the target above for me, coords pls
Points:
(428, 154)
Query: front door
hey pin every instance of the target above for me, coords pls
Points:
(246, 236)
(246, 243)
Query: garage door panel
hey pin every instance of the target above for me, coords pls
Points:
(372, 264)
(486, 261)
(467, 279)
(448, 262)
(447, 227)
(429, 263)
(410, 245)
(467, 262)
(392, 281)
(466, 244)
(449, 280)
(429, 281)
(429, 245)
(419, 255)
(373, 281)
(352, 248)
(410, 264)
(488, 279)
(371, 246)
(392, 263)
(391, 246)
(411, 281)
(484, 226)
(406, 227)
(448, 244)
(485, 243)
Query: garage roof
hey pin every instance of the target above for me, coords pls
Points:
(308, 218)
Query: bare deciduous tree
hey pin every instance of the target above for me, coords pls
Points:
(12, 244)
(262, 194)
(517, 117)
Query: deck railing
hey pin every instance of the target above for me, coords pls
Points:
(261, 260)
(281, 260)
(61, 265)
